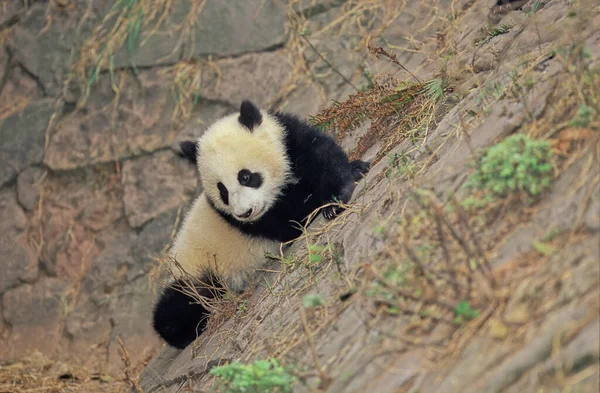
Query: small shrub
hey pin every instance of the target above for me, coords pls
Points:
(517, 164)
(583, 117)
(313, 300)
(464, 312)
(262, 376)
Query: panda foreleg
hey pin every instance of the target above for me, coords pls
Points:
(358, 170)
(179, 318)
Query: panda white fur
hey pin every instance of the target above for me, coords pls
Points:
(262, 173)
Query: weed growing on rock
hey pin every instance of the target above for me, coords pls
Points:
(517, 164)
(313, 300)
(464, 312)
(487, 33)
(262, 376)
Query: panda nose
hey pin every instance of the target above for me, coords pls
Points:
(247, 214)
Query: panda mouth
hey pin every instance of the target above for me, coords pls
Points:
(253, 216)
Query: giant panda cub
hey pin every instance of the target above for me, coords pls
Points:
(262, 173)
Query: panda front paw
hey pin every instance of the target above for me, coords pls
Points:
(331, 212)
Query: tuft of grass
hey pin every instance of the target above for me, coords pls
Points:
(313, 300)
(434, 88)
(464, 312)
(584, 116)
(400, 164)
(518, 164)
(486, 34)
(262, 376)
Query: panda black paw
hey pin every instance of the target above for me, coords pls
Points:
(359, 169)
(331, 212)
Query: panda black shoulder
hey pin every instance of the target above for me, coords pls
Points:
(311, 151)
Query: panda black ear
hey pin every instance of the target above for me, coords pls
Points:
(189, 150)
(250, 116)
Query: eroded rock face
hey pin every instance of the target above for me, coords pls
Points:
(256, 77)
(29, 186)
(98, 133)
(227, 28)
(23, 135)
(43, 39)
(154, 184)
(20, 262)
(34, 312)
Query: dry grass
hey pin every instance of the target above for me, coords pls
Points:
(394, 108)
(39, 374)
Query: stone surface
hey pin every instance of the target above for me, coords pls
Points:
(592, 214)
(22, 135)
(221, 28)
(204, 115)
(29, 186)
(153, 239)
(19, 87)
(257, 77)
(34, 312)
(304, 101)
(154, 184)
(76, 205)
(44, 49)
(20, 259)
(97, 133)
(232, 27)
(10, 10)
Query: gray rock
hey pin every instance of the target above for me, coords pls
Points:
(207, 112)
(28, 187)
(18, 85)
(10, 10)
(47, 55)
(233, 27)
(20, 262)
(257, 77)
(141, 124)
(22, 136)
(592, 214)
(221, 28)
(153, 239)
(304, 102)
(154, 184)
(34, 312)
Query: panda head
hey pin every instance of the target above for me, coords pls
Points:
(242, 162)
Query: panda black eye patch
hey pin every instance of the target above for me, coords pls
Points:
(250, 179)
(224, 193)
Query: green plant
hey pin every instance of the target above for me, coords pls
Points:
(517, 164)
(464, 312)
(434, 88)
(583, 117)
(489, 32)
(313, 300)
(401, 163)
(262, 376)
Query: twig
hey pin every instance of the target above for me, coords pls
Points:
(127, 369)
(328, 63)
(379, 51)
(311, 343)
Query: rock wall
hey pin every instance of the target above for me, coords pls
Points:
(94, 97)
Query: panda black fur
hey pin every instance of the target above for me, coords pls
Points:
(262, 173)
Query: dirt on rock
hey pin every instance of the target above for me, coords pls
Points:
(425, 283)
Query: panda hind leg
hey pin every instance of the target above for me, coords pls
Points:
(178, 318)
(359, 169)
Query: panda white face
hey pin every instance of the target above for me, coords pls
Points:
(247, 200)
(243, 163)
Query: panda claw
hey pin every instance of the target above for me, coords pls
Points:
(330, 212)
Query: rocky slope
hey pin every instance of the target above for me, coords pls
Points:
(94, 97)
